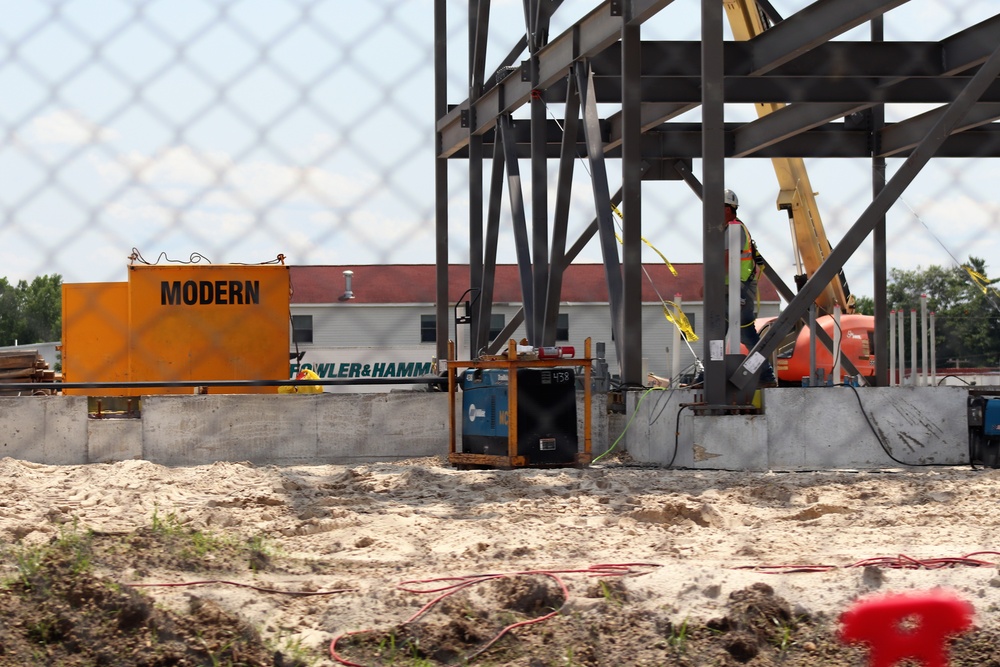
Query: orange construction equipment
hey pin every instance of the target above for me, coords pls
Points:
(178, 323)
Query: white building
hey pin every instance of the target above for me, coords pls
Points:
(379, 320)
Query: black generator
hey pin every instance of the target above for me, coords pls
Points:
(544, 409)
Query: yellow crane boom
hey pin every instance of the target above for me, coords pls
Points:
(795, 195)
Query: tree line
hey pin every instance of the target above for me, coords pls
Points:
(31, 312)
(966, 307)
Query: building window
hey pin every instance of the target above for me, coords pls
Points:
(428, 328)
(496, 324)
(302, 328)
(562, 327)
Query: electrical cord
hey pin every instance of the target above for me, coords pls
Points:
(864, 413)
(193, 258)
(899, 562)
(453, 585)
(628, 423)
(878, 437)
(236, 583)
(677, 432)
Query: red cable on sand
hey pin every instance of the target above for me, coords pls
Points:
(899, 562)
(460, 583)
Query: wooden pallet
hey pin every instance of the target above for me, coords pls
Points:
(21, 366)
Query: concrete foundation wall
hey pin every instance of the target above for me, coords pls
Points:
(263, 429)
(806, 429)
(801, 429)
(44, 429)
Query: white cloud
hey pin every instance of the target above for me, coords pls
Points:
(67, 127)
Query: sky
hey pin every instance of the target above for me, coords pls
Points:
(238, 131)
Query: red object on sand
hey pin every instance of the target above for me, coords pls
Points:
(906, 625)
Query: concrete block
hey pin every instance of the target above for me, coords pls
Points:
(44, 429)
(113, 440)
(197, 429)
(404, 424)
(649, 426)
(723, 442)
(874, 427)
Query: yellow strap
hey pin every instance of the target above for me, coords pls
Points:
(981, 281)
(677, 317)
(644, 240)
(679, 320)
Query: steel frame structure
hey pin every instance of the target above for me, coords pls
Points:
(833, 91)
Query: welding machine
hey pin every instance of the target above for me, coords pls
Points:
(544, 407)
(984, 430)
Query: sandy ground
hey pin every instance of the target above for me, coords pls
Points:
(370, 527)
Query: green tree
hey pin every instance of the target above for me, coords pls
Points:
(864, 305)
(31, 312)
(43, 309)
(967, 312)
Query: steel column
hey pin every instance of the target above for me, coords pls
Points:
(441, 178)
(713, 186)
(631, 351)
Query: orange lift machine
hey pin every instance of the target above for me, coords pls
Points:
(178, 323)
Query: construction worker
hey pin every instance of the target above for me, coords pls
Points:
(751, 266)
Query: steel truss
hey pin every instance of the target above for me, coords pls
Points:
(833, 92)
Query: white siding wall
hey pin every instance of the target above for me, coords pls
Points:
(399, 326)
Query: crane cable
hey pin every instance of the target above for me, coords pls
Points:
(984, 284)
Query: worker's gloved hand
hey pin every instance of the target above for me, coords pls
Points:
(743, 302)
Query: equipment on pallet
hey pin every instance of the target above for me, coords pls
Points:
(984, 427)
(519, 409)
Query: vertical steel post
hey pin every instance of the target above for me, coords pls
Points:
(539, 203)
(924, 374)
(879, 233)
(892, 348)
(713, 180)
(933, 346)
(631, 371)
(441, 178)
(836, 344)
(901, 317)
(813, 374)
(675, 360)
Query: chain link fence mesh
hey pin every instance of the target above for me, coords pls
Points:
(238, 131)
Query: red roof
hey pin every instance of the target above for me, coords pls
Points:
(415, 283)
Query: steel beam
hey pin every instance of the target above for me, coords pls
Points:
(923, 152)
(520, 226)
(906, 134)
(589, 36)
(560, 219)
(784, 123)
(491, 245)
(602, 198)
(814, 25)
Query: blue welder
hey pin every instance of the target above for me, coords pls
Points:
(545, 431)
(984, 430)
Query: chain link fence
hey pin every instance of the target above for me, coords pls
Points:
(239, 131)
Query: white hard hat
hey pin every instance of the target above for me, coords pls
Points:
(731, 199)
